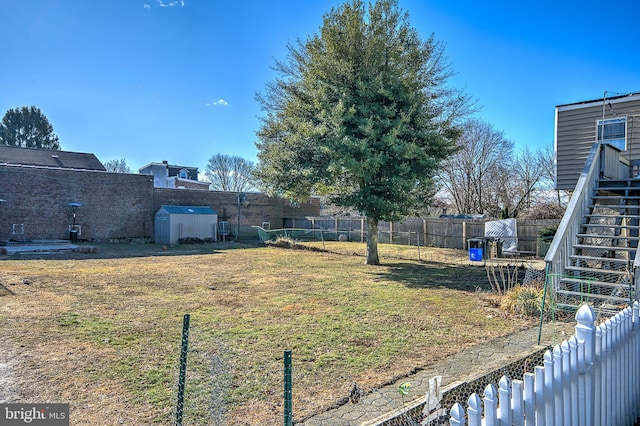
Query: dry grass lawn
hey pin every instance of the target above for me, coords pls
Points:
(103, 332)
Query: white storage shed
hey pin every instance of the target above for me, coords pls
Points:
(176, 223)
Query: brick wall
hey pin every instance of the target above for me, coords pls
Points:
(256, 208)
(115, 205)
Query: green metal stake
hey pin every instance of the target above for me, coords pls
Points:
(288, 412)
(183, 369)
(544, 299)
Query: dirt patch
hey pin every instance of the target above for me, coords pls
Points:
(9, 390)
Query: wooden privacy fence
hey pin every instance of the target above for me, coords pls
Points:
(593, 378)
(429, 232)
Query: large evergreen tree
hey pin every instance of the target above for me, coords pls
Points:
(27, 127)
(361, 110)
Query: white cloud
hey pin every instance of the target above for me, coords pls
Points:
(219, 102)
(163, 3)
(174, 3)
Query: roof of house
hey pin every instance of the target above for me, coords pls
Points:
(187, 180)
(609, 98)
(17, 156)
(187, 209)
(167, 165)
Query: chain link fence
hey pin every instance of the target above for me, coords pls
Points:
(427, 232)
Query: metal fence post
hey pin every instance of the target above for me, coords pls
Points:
(183, 369)
(288, 412)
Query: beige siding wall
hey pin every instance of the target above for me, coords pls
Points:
(575, 133)
(192, 226)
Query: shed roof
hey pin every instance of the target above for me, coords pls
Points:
(187, 209)
(17, 156)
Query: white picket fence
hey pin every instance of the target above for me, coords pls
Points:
(589, 380)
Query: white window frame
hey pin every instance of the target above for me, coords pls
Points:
(620, 143)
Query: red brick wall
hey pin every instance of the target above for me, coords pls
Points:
(117, 206)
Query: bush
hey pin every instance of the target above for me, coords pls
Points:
(547, 234)
(290, 243)
(524, 300)
(284, 242)
(543, 211)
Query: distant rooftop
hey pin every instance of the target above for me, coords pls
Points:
(166, 164)
(15, 156)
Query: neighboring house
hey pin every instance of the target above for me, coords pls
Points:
(31, 157)
(592, 258)
(171, 176)
(613, 120)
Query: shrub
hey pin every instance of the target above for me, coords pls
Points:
(548, 233)
(543, 211)
(290, 243)
(284, 242)
(524, 300)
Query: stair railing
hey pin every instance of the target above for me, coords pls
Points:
(566, 236)
(603, 160)
(636, 276)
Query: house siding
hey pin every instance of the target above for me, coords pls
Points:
(575, 133)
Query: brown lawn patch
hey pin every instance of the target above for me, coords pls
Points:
(104, 333)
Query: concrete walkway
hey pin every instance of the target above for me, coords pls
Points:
(37, 247)
(472, 362)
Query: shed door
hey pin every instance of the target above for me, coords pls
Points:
(162, 230)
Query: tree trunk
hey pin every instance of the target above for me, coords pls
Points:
(372, 242)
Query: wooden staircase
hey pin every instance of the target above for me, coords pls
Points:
(599, 271)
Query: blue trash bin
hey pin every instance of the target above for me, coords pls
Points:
(476, 249)
(475, 254)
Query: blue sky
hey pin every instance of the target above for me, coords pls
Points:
(153, 80)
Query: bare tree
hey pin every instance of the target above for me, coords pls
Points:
(528, 171)
(229, 173)
(117, 166)
(472, 174)
(485, 176)
(548, 163)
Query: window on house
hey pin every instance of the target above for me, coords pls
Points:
(614, 132)
(182, 174)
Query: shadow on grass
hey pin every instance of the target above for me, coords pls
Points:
(429, 275)
(4, 290)
(131, 250)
